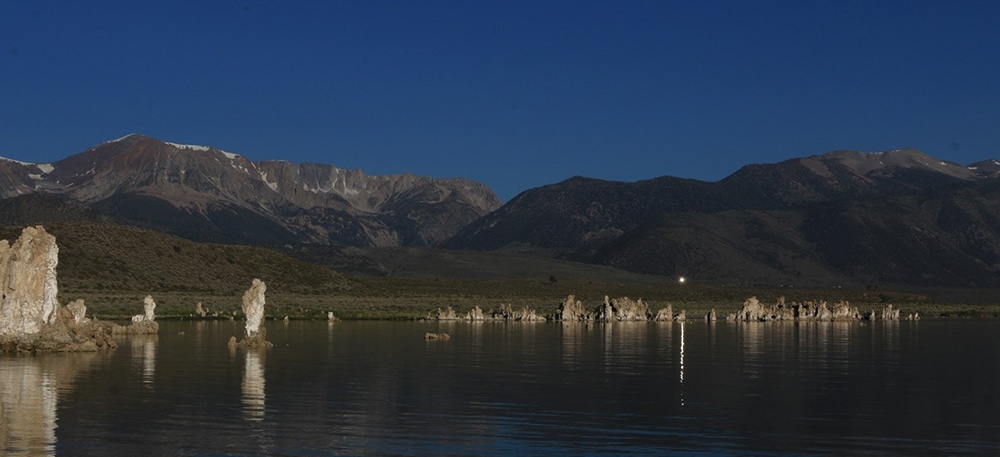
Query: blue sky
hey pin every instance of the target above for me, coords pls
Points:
(513, 94)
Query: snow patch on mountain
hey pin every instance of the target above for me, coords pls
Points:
(120, 139)
(45, 168)
(27, 164)
(188, 146)
(272, 185)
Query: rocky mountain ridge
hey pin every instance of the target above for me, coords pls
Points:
(837, 219)
(208, 194)
(841, 218)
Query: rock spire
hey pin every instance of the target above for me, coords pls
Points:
(253, 308)
(28, 282)
(30, 317)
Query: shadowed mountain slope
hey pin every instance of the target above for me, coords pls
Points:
(842, 218)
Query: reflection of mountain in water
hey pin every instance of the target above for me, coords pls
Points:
(29, 393)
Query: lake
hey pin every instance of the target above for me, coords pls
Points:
(527, 389)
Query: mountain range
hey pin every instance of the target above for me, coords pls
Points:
(207, 194)
(843, 218)
(840, 218)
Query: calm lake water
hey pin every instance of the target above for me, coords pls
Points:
(525, 389)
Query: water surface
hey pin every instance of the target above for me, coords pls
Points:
(378, 388)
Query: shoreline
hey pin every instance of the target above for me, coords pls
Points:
(693, 314)
(414, 299)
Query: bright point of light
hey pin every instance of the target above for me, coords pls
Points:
(681, 280)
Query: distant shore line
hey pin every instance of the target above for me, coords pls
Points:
(695, 312)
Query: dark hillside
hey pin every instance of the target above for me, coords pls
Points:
(843, 218)
(42, 208)
(109, 257)
(578, 216)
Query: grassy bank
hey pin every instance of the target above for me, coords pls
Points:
(413, 298)
(113, 267)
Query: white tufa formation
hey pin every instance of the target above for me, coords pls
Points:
(79, 310)
(148, 305)
(253, 306)
(28, 282)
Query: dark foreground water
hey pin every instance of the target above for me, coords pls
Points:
(377, 388)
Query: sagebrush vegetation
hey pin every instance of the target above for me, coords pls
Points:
(113, 267)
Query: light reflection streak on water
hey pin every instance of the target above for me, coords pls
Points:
(29, 400)
(144, 357)
(253, 386)
(27, 408)
(50, 401)
(682, 365)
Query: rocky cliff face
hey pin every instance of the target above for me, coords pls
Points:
(208, 194)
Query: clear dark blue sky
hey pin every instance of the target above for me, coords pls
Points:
(513, 94)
